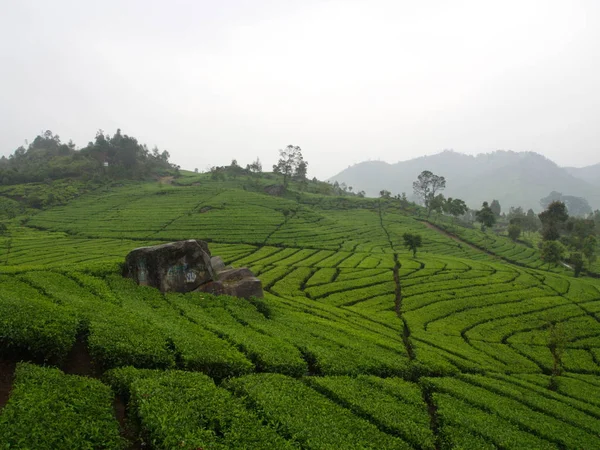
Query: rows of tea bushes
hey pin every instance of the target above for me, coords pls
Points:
(48, 409)
(497, 244)
(356, 343)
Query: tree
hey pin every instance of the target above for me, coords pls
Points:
(426, 188)
(496, 208)
(486, 216)
(301, 169)
(514, 231)
(553, 219)
(576, 260)
(255, 167)
(576, 206)
(437, 203)
(455, 207)
(578, 230)
(532, 222)
(552, 252)
(384, 193)
(235, 169)
(412, 242)
(289, 159)
(557, 341)
(589, 248)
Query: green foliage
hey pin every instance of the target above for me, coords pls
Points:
(552, 252)
(48, 409)
(33, 325)
(47, 158)
(455, 207)
(553, 220)
(186, 410)
(508, 417)
(412, 242)
(426, 188)
(576, 261)
(395, 405)
(384, 193)
(291, 164)
(486, 216)
(308, 417)
(514, 232)
(471, 303)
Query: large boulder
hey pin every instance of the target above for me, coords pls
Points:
(186, 266)
(178, 266)
(235, 282)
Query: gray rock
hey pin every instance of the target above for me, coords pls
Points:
(178, 266)
(217, 263)
(275, 189)
(243, 288)
(186, 266)
(232, 275)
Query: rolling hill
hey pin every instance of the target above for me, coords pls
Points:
(514, 179)
(357, 344)
(591, 174)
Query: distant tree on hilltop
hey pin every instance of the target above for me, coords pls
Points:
(496, 208)
(575, 206)
(291, 163)
(427, 187)
(118, 156)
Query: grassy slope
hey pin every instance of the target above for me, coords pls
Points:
(440, 344)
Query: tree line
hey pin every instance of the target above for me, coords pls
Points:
(116, 156)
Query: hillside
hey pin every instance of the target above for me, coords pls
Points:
(591, 174)
(357, 344)
(515, 179)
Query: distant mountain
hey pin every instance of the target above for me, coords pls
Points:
(591, 174)
(513, 178)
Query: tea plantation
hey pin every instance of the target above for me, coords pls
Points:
(356, 345)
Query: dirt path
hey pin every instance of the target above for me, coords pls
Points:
(79, 361)
(457, 239)
(7, 373)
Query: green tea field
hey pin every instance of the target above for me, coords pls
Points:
(471, 344)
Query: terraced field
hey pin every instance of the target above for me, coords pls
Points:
(356, 344)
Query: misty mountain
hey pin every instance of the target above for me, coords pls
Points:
(513, 178)
(591, 174)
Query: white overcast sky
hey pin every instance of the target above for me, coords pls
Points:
(346, 80)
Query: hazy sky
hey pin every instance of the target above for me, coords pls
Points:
(346, 80)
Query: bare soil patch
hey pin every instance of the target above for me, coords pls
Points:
(7, 374)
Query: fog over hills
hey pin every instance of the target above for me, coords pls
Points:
(591, 174)
(513, 178)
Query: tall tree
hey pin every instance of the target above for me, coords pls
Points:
(576, 206)
(486, 216)
(255, 167)
(301, 169)
(455, 207)
(552, 252)
(553, 220)
(289, 160)
(427, 187)
(514, 231)
(437, 203)
(532, 221)
(496, 208)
